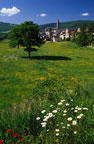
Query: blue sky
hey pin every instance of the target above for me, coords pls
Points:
(45, 11)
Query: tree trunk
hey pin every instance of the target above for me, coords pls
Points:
(29, 54)
(18, 46)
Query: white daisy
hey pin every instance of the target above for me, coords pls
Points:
(38, 118)
(69, 119)
(57, 134)
(54, 111)
(59, 103)
(75, 132)
(50, 115)
(43, 111)
(74, 122)
(57, 130)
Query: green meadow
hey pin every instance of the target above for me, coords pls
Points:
(58, 78)
(53, 60)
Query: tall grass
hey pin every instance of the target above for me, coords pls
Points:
(50, 118)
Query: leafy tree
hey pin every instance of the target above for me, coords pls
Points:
(82, 39)
(91, 27)
(91, 33)
(26, 34)
(15, 37)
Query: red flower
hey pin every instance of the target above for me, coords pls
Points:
(1, 142)
(9, 130)
(21, 139)
(16, 135)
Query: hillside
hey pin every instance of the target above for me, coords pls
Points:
(5, 27)
(64, 25)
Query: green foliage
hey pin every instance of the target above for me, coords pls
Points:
(26, 34)
(82, 38)
(85, 37)
(22, 118)
(91, 27)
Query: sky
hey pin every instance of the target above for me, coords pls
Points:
(45, 11)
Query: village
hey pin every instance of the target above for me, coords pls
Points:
(56, 34)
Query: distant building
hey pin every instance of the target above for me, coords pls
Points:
(55, 34)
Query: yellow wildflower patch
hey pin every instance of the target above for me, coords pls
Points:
(42, 78)
(75, 79)
(18, 74)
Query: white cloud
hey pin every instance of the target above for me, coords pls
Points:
(84, 14)
(43, 15)
(9, 11)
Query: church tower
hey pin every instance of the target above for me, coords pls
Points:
(58, 24)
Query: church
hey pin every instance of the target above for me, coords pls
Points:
(56, 34)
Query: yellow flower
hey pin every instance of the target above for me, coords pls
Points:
(18, 74)
(74, 79)
(42, 78)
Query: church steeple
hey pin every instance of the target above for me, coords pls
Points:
(58, 24)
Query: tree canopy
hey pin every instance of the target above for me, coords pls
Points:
(26, 34)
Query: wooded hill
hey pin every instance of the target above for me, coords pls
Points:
(7, 27)
(64, 25)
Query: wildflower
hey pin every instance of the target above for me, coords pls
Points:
(54, 111)
(59, 103)
(1, 142)
(67, 104)
(38, 118)
(21, 139)
(47, 130)
(45, 119)
(85, 108)
(79, 117)
(68, 125)
(76, 107)
(71, 99)
(65, 111)
(63, 127)
(69, 119)
(16, 135)
(79, 108)
(51, 105)
(9, 130)
(57, 130)
(64, 114)
(43, 111)
(42, 78)
(75, 132)
(75, 110)
(57, 134)
(62, 101)
(50, 115)
(72, 108)
(74, 122)
(43, 124)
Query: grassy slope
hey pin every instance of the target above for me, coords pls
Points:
(18, 75)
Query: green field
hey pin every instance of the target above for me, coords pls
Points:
(57, 80)
(53, 60)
